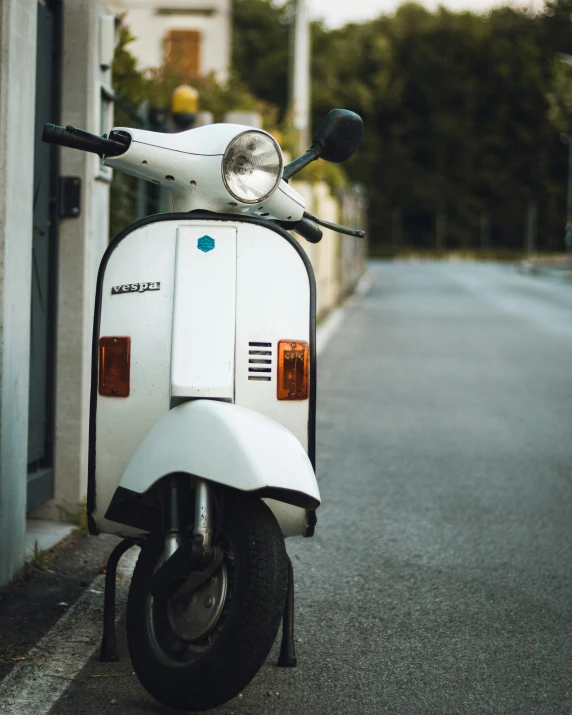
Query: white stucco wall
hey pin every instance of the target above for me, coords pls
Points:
(150, 27)
(338, 260)
(17, 102)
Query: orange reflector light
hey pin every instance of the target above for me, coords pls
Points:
(114, 364)
(293, 370)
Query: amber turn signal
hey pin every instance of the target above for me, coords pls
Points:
(293, 370)
(114, 366)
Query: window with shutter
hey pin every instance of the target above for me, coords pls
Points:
(184, 51)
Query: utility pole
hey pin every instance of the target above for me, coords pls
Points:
(485, 230)
(440, 229)
(567, 139)
(300, 74)
(531, 224)
(569, 193)
(396, 230)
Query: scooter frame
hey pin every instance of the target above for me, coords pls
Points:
(133, 505)
(108, 651)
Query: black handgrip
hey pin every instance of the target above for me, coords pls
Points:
(79, 139)
(308, 230)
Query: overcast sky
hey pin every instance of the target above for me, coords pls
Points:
(339, 12)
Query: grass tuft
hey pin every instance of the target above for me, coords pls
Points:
(40, 558)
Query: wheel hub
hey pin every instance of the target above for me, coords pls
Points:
(194, 615)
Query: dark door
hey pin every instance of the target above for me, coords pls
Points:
(41, 405)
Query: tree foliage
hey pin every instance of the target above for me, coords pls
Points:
(560, 97)
(260, 45)
(463, 114)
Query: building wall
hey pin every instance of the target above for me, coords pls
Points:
(150, 20)
(17, 102)
(82, 242)
(338, 261)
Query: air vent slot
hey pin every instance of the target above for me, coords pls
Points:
(260, 361)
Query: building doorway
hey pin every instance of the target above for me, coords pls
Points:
(44, 252)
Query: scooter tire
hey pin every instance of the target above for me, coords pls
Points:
(250, 532)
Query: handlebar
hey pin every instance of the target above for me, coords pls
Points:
(75, 138)
(305, 228)
(309, 230)
(118, 143)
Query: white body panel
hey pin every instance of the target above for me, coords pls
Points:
(223, 443)
(189, 167)
(264, 279)
(147, 319)
(268, 310)
(202, 363)
(211, 140)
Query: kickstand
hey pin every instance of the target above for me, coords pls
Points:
(108, 652)
(287, 657)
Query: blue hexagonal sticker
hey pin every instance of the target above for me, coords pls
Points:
(206, 244)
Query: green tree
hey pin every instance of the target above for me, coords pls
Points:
(560, 97)
(459, 112)
(260, 43)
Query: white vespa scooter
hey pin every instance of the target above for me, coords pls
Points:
(203, 401)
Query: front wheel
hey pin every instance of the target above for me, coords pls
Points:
(201, 652)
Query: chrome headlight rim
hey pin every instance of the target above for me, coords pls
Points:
(278, 176)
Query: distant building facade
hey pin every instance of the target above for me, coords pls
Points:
(194, 35)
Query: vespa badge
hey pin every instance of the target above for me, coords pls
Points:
(206, 244)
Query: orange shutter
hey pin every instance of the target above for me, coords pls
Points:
(184, 51)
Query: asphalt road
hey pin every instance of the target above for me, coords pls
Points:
(440, 577)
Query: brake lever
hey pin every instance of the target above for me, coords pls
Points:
(356, 232)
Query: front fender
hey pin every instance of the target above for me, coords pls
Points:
(229, 445)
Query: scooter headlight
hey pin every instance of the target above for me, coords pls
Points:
(252, 167)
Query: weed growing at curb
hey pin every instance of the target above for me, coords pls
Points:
(40, 558)
(77, 517)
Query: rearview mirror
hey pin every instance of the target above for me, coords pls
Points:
(338, 136)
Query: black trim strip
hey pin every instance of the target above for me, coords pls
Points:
(139, 511)
(192, 216)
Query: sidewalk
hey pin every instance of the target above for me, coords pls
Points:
(45, 591)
